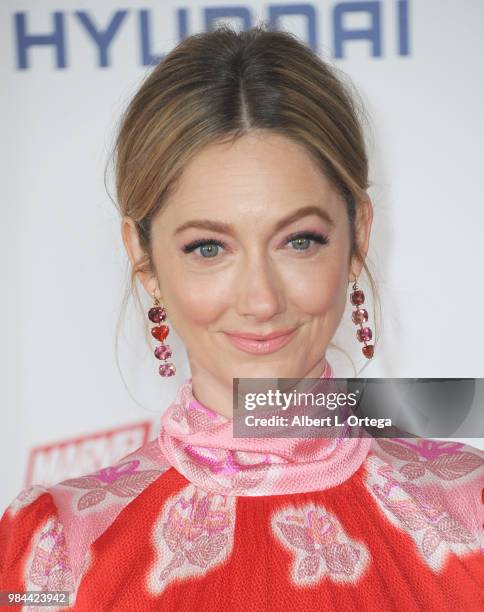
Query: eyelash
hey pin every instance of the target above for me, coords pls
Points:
(315, 236)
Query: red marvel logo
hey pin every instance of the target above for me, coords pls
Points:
(52, 463)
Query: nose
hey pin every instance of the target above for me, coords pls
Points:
(259, 288)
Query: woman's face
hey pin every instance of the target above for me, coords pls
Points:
(232, 253)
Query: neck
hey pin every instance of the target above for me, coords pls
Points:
(218, 395)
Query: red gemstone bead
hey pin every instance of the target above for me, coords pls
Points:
(163, 351)
(160, 332)
(359, 316)
(368, 351)
(357, 297)
(167, 369)
(156, 314)
(364, 334)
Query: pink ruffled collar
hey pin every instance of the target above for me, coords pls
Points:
(199, 443)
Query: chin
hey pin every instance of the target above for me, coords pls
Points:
(282, 369)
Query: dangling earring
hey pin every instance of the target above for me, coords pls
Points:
(360, 316)
(157, 314)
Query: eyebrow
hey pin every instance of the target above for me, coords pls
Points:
(226, 228)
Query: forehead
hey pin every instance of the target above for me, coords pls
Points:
(258, 176)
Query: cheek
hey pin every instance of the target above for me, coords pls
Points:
(192, 301)
(323, 290)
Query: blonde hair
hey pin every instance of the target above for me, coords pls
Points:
(218, 86)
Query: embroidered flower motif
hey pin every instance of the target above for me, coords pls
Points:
(121, 480)
(193, 533)
(238, 476)
(422, 512)
(49, 567)
(445, 460)
(319, 544)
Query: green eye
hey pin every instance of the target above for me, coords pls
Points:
(301, 242)
(211, 250)
(211, 247)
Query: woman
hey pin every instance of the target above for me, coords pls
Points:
(241, 177)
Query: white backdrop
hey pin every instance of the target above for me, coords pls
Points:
(419, 72)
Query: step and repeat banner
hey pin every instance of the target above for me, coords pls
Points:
(80, 388)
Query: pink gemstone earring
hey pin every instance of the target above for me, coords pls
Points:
(360, 316)
(157, 314)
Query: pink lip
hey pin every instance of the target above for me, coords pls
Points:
(266, 344)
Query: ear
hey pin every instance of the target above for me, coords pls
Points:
(363, 223)
(138, 256)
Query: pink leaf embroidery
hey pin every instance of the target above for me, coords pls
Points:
(397, 450)
(408, 513)
(206, 549)
(453, 531)
(59, 579)
(430, 542)
(84, 482)
(297, 536)
(412, 470)
(432, 502)
(91, 498)
(244, 481)
(171, 535)
(177, 561)
(308, 566)
(131, 484)
(341, 558)
(450, 467)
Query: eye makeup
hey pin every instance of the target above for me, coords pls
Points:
(314, 236)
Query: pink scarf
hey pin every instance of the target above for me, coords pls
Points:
(199, 443)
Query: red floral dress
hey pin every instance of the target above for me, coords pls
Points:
(199, 520)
